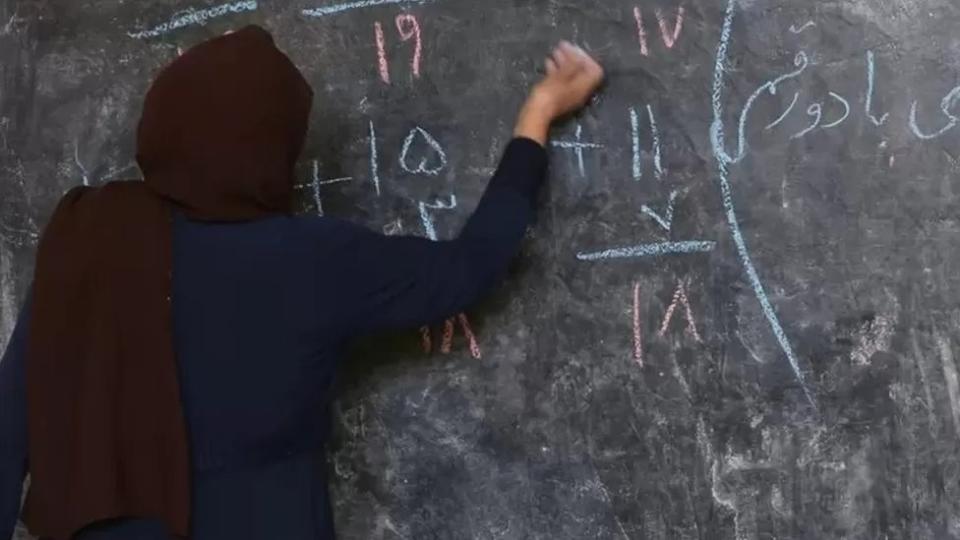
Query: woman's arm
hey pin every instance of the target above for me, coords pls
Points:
(13, 424)
(403, 282)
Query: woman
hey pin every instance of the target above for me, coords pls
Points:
(182, 333)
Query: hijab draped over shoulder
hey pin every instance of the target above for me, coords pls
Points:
(221, 129)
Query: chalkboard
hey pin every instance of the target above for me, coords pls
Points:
(735, 318)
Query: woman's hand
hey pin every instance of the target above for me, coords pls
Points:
(572, 78)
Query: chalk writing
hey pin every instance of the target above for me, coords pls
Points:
(723, 161)
(635, 144)
(657, 165)
(381, 53)
(680, 296)
(775, 123)
(666, 220)
(409, 28)
(315, 185)
(670, 37)
(637, 331)
(578, 146)
(394, 228)
(815, 111)
(794, 29)
(422, 167)
(945, 105)
(641, 31)
(716, 129)
(348, 6)
(195, 17)
(846, 111)
(425, 339)
(430, 230)
(649, 250)
(667, 35)
(426, 217)
(868, 106)
(635, 140)
(374, 164)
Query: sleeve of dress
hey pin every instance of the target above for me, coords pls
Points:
(13, 424)
(402, 282)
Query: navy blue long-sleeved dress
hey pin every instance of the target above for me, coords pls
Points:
(262, 311)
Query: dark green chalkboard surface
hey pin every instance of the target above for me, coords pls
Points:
(737, 317)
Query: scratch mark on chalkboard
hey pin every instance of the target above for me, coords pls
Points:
(578, 146)
(649, 250)
(716, 130)
(680, 297)
(815, 111)
(665, 221)
(338, 8)
(637, 329)
(948, 101)
(670, 37)
(775, 123)
(717, 139)
(868, 107)
(382, 67)
(872, 337)
(422, 166)
(846, 109)
(606, 497)
(394, 228)
(920, 359)
(76, 159)
(796, 30)
(641, 32)
(950, 376)
(195, 17)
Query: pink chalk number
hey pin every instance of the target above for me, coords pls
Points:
(409, 29)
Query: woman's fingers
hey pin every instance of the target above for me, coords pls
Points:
(551, 66)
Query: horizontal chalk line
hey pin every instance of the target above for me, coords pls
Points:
(192, 17)
(339, 8)
(649, 250)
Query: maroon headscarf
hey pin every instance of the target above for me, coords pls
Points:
(222, 127)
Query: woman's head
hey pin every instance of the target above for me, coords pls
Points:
(223, 126)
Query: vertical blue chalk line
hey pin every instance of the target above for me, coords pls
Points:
(635, 140)
(945, 105)
(316, 187)
(657, 165)
(374, 166)
(727, 198)
(871, 75)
